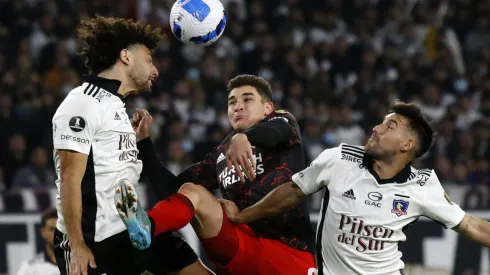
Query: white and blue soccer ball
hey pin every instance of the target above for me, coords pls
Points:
(199, 22)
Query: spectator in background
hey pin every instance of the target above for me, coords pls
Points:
(322, 58)
(37, 174)
(2, 180)
(7, 122)
(43, 263)
(177, 159)
(16, 157)
(348, 131)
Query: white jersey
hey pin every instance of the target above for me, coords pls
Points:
(92, 120)
(363, 217)
(39, 265)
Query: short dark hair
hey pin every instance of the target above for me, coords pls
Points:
(105, 37)
(263, 87)
(50, 213)
(417, 122)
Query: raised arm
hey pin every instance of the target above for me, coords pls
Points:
(281, 198)
(304, 183)
(202, 173)
(162, 181)
(439, 207)
(474, 229)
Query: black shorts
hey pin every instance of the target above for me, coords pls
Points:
(116, 256)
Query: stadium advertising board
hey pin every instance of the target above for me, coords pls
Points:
(429, 245)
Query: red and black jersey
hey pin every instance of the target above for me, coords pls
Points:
(278, 152)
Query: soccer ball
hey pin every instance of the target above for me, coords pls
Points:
(199, 22)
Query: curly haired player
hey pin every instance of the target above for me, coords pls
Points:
(96, 147)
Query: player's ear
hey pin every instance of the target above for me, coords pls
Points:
(269, 108)
(408, 145)
(124, 56)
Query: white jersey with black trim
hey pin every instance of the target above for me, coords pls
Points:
(363, 217)
(92, 120)
(38, 265)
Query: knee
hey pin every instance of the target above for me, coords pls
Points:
(195, 193)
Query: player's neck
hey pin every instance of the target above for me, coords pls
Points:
(389, 168)
(118, 74)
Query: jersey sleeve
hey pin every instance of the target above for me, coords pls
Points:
(202, 173)
(162, 181)
(75, 125)
(278, 129)
(318, 174)
(438, 206)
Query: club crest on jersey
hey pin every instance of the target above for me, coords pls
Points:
(400, 207)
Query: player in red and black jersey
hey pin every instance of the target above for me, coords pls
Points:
(263, 152)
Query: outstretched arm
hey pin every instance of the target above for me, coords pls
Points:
(289, 194)
(281, 198)
(474, 229)
(162, 181)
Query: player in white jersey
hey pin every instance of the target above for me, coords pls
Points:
(96, 147)
(373, 194)
(43, 263)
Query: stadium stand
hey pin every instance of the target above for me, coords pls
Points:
(334, 64)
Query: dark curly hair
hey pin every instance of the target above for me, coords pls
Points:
(105, 37)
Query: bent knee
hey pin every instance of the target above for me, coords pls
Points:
(192, 189)
(197, 194)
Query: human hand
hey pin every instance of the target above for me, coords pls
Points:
(230, 208)
(141, 123)
(80, 258)
(240, 155)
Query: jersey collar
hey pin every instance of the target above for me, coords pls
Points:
(110, 85)
(401, 177)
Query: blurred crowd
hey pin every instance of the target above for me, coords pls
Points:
(335, 64)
